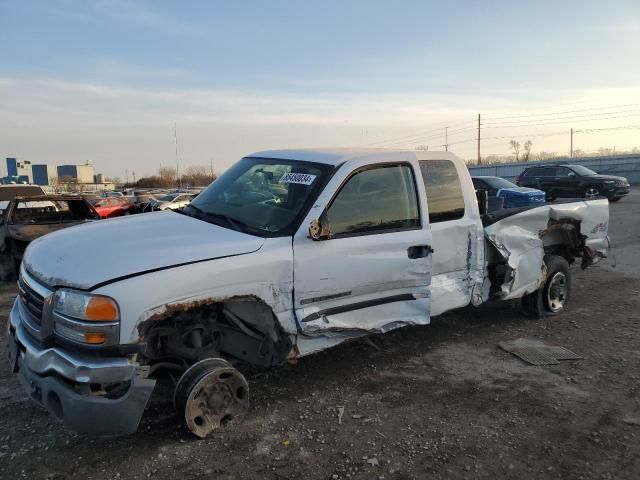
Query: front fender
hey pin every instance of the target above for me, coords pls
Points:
(266, 274)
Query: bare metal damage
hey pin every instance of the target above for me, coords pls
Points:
(577, 229)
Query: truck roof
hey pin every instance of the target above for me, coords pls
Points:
(336, 156)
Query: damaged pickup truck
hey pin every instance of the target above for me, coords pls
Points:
(286, 254)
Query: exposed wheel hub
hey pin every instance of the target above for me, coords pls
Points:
(211, 394)
(557, 292)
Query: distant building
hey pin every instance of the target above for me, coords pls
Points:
(12, 168)
(44, 174)
(80, 173)
(72, 178)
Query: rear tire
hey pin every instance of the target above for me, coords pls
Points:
(552, 298)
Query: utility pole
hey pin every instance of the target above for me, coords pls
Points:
(446, 139)
(572, 143)
(212, 174)
(479, 159)
(175, 139)
(126, 175)
(134, 177)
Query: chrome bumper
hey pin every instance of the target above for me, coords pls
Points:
(50, 377)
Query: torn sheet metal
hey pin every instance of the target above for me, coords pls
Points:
(520, 240)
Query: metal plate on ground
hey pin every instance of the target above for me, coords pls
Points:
(536, 352)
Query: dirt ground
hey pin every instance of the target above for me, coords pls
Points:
(441, 401)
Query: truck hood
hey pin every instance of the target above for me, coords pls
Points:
(89, 255)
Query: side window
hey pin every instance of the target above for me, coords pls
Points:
(532, 172)
(548, 172)
(444, 191)
(375, 200)
(564, 172)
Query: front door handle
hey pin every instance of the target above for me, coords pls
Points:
(419, 251)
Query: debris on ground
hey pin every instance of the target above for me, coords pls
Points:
(536, 352)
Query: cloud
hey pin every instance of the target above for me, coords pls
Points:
(47, 119)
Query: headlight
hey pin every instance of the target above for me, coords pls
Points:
(86, 319)
(84, 306)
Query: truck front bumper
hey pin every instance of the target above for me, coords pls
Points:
(68, 384)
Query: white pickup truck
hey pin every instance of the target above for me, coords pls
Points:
(286, 254)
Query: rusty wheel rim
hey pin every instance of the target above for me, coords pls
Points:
(557, 292)
(216, 399)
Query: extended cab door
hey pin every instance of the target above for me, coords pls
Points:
(457, 233)
(372, 272)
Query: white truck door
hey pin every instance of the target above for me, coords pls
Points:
(373, 271)
(457, 233)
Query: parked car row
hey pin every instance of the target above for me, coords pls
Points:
(538, 184)
(573, 181)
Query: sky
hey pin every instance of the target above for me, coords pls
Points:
(107, 80)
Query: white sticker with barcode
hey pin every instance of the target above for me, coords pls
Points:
(301, 178)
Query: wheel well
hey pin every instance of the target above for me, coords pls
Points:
(563, 237)
(240, 329)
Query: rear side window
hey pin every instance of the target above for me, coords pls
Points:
(532, 172)
(376, 200)
(444, 191)
(541, 172)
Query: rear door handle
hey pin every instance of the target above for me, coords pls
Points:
(419, 251)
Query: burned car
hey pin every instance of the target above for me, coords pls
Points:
(27, 218)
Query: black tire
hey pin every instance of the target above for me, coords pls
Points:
(552, 298)
(592, 191)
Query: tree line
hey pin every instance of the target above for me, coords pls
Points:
(193, 176)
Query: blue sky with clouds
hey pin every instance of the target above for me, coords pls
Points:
(106, 79)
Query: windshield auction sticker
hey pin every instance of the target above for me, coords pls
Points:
(301, 178)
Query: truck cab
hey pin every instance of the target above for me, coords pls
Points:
(288, 253)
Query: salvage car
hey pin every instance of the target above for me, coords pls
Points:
(170, 201)
(288, 253)
(11, 191)
(511, 195)
(28, 218)
(113, 207)
(573, 181)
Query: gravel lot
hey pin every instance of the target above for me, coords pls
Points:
(441, 401)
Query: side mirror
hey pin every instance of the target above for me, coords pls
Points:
(318, 229)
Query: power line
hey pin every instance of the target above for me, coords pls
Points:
(564, 112)
(554, 122)
(623, 127)
(419, 134)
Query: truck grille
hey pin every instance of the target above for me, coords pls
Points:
(32, 301)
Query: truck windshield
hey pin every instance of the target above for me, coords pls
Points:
(264, 197)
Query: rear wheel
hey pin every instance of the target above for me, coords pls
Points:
(592, 191)
(552, 298)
